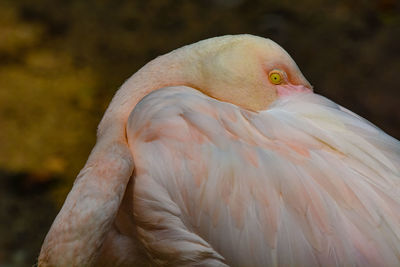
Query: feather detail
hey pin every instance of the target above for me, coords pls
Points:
(303, 183)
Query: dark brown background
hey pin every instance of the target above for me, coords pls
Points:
(61, 62)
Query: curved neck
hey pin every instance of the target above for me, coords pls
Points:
(166, 70)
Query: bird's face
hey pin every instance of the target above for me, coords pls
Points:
(250, 72)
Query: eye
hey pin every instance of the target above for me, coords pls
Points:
(276, 77)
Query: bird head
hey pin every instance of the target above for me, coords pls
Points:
(245, 70)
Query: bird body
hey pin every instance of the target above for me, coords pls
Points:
(220, 154)
(304, 183)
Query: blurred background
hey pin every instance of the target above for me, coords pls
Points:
(62, 61)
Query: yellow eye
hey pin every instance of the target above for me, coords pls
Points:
(275, 77)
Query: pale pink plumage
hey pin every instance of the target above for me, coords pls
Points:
(303, 182)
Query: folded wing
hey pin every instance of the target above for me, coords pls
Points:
(303, 183)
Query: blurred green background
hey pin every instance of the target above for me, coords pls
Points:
(61, 62)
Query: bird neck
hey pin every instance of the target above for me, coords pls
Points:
(166, 70)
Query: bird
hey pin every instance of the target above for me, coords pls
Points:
(220, 153)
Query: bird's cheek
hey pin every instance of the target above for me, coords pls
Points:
(288, 89)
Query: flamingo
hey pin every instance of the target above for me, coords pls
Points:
(219, 153)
